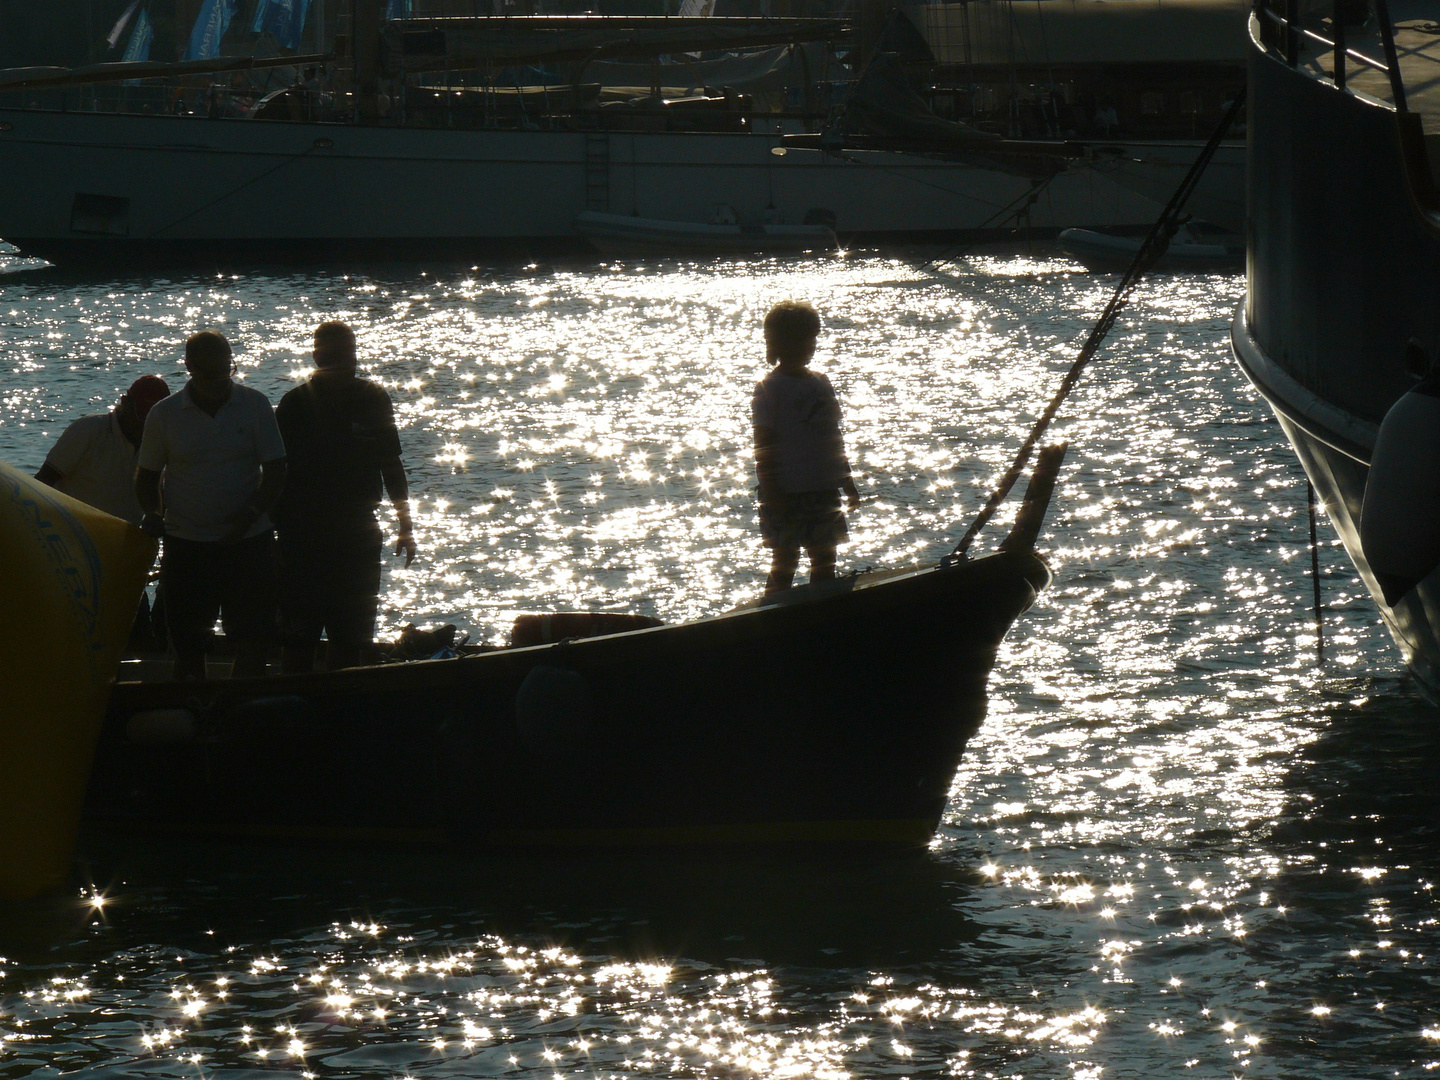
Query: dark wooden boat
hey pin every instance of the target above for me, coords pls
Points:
(837, 713)
(834, 712)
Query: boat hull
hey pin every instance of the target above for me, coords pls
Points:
(114, 189)
(1155, 169)
(839, 714)
(1341, 272)
(1334, 449)
(622, 234)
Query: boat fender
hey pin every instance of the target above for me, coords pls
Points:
(161, 727)
(553, 707)
(1400, 516)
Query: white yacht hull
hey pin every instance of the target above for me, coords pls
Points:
(1154, 169)
(110, 187)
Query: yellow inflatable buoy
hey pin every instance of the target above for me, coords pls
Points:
(70, 584)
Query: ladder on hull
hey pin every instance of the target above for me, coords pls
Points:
(597, 171)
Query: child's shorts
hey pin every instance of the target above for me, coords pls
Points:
(803, 519)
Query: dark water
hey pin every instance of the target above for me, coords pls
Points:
(1176, 848)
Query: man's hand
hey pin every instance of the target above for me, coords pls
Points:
(242, 523)
(153, 525)
(852, 494)
(405, 545)
(237, 532)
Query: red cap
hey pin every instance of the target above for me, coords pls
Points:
(145, 392)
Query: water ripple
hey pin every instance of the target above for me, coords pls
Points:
(1175, 848)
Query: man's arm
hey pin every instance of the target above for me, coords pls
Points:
(398, 488)
(69, 451)
(147, 494)
(272, 483)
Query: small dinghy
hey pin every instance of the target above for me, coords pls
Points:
(623, 234)
(1105, 252)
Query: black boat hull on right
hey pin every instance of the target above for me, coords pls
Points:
(1343, 260)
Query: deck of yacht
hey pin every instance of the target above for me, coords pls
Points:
(1417, 45)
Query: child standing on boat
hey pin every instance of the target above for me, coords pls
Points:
(799, 452)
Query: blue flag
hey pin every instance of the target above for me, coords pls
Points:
(284, 19)
(140, 38)
(210, 26)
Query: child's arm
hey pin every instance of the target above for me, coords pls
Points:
(765, 461)
(847, 485)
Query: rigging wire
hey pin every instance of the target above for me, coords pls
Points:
(318, 144)
(1023, 201)
(894, 171)
(1154, 246)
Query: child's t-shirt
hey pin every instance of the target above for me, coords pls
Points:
(804, 414)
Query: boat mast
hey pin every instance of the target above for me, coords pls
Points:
(365, 57)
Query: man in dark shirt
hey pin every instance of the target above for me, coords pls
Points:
(339, 432)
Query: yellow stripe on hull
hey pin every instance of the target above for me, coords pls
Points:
(70, 582)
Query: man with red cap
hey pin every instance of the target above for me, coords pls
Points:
(94, 458)
(94, 461)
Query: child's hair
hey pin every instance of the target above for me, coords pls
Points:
(791, 327)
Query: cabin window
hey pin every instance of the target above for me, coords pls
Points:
(1189, 103)
(1152, 103)
(100, 215)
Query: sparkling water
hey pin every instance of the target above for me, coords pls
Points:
(1176, 848)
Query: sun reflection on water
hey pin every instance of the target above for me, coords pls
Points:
(364, 1002)
(1175, 847)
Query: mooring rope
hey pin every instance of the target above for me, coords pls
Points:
(1315, 576)
(1154, 246)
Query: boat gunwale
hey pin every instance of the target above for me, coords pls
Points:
(802, 602)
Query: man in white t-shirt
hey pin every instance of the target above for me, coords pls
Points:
(94, 458)
(219, 450)
(800, 457)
